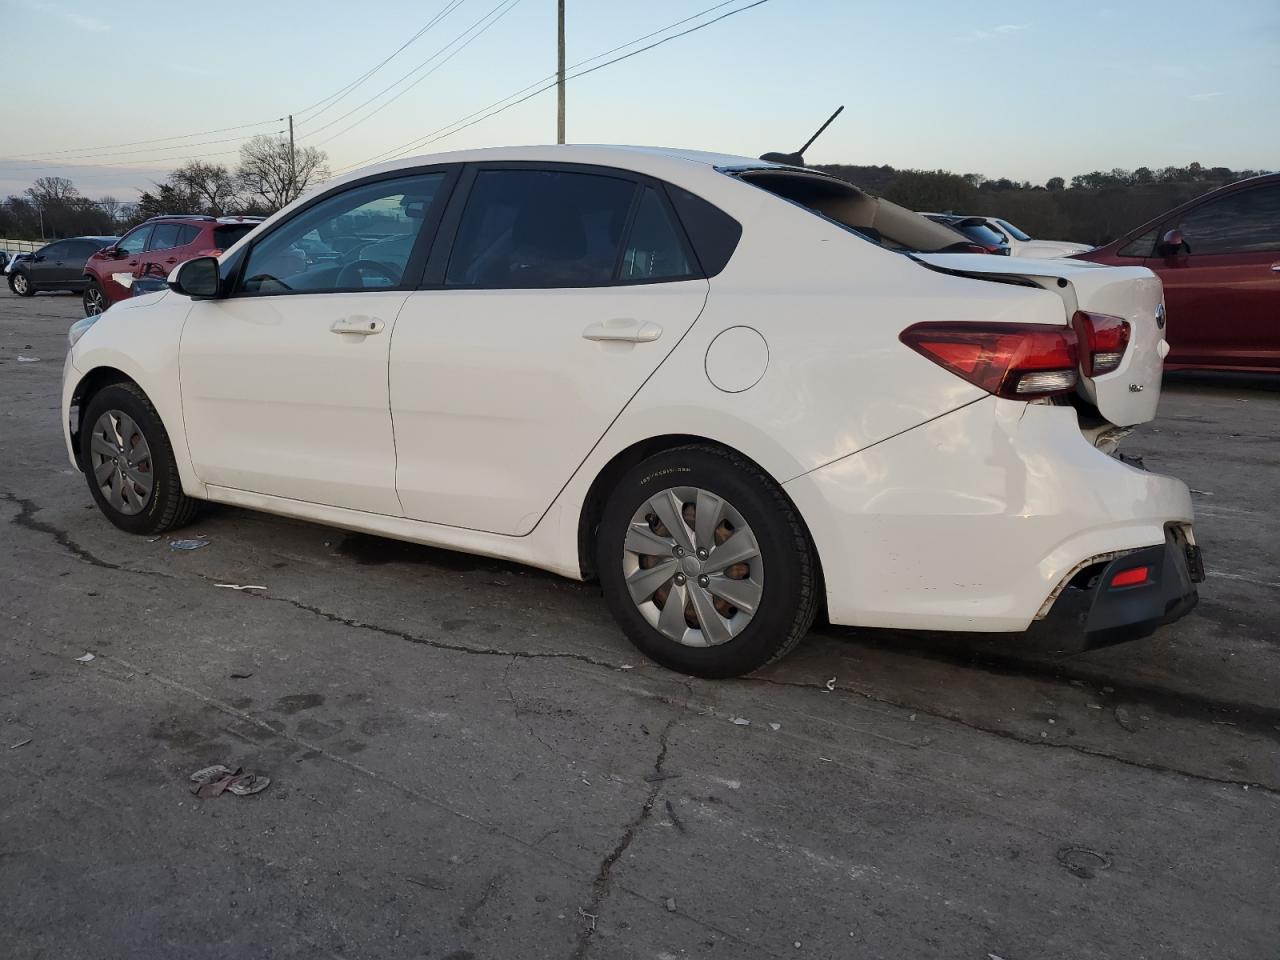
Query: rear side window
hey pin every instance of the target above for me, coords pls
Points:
(1141, 247)
(1244, 222)
(188, 234)
(713, 233)
(654, 249)
(540, 228)
(166, 236)
(224, 237)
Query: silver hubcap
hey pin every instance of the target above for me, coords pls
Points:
(693, 567)
(121, 462)
(20, 283)
(93, 302)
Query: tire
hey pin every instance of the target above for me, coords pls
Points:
(780, 578)
(94, 300)
(131, 416)
(21, 284)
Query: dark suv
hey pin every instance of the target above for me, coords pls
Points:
(153, 249)
(56, 266)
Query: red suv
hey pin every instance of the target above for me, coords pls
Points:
(154, 248)
(1219, 259)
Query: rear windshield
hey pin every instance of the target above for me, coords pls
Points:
(873, 218)
(1013, 231)
(981, 233)
(224, 237)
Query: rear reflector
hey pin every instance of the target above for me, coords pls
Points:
(1103, 341)
(1131, 577)
(1020, 361)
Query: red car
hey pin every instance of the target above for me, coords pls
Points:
(154, 248)
(1219, 259)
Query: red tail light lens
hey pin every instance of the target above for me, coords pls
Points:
(1020, 361)
(1103, 341)
(1131, 577)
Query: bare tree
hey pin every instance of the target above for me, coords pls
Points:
(52, 192)
(211, 185)
(270, 171)
(111, 207)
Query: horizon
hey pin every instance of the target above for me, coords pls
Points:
(1038, 107)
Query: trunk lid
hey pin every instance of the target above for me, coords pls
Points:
(1130, 394)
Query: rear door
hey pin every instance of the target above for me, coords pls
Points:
(563, 289)
(1222, 293)
(161, 255)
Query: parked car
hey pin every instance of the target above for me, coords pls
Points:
(55, 266)
(1021, 244)
(697, 378)
(977, 230)
(1219, 258)
(154, 248)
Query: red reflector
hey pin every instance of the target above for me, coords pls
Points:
(1131, 577)
(1103, 341)
(1020, 361)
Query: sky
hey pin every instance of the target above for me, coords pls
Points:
(1028, 91)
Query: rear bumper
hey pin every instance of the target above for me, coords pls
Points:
(979, 520)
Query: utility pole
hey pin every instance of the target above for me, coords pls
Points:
(293, 166)
(560, 74)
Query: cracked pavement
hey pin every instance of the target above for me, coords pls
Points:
(469, 761)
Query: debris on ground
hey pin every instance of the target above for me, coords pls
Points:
(831, 685)
(22, 359)
(239, 586)
(670, 904)
(657, 777)
(20, 743)
(1083, 862)
(87, 658)
(741, 721)
(1125, 719)
(187, 544)
(211, 781)
(626, 666)
(588, 916)
(241, 676)
(675, 821)
(775, 727)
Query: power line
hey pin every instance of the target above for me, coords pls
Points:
(128, 153)
(383, 106)
(391, 86)
(333, 98)
(438, 134)
(134, 143)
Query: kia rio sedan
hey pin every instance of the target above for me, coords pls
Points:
(735, 393)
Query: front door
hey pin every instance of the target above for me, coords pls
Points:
(1222, 291)
(48, 266)
(562, 293)
(284, 382)
(126, 261)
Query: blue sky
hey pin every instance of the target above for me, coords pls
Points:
(1028, 91)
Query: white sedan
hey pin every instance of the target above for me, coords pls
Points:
(734, 392)
(1022, 244)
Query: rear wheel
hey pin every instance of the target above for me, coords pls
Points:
(95, 301)
(705, 563)
(128, 461)
(21, 284)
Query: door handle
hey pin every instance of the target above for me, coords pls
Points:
(172, 260)
(360, 326)
(1275, 268)
(622, 330)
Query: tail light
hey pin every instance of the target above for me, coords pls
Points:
(1103, 341)
(1019, 361)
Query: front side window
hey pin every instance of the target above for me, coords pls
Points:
(134, 242)
(165, 236)
(654, 249)
(1243, 222)
(1143, 246)
(359, 239)
(55, 251)
(540, 228)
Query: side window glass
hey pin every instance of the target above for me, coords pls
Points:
(187, 235)
(1244, 222)
(359, 239)
(165, 236)
(55, 251)
(654, 249)
(1141, 247)
(134, 242)
(540, 228)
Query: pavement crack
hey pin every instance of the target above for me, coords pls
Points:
(602, 883)
(26, 518)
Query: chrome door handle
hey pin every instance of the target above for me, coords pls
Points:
(360, 326)
(1275, 268)
(623, 331)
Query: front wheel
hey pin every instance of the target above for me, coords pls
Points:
(128, 460)
(95, 301)
(705, 563)
(21, 284)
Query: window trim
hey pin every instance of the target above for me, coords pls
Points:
(437, 265)
(418, 256)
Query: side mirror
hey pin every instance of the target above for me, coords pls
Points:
(1171, 243)
(37, 258)
(197, 279)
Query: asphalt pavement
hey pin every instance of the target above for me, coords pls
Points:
(468, 760)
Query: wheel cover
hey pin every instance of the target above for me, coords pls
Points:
(120, 459)
(693, 567)
(93, 302)
(19, 283)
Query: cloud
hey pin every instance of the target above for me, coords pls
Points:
(1012, 27)
(1204, 97)
(80, 21)
(1004, 30)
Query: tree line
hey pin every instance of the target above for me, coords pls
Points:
(268, 176)
(1092, 208)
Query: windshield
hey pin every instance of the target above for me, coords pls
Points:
(1013, 231)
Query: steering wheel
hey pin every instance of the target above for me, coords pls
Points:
(354, 273)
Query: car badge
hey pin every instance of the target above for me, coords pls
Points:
(1160, 316)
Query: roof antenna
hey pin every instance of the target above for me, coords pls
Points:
(797, 159)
